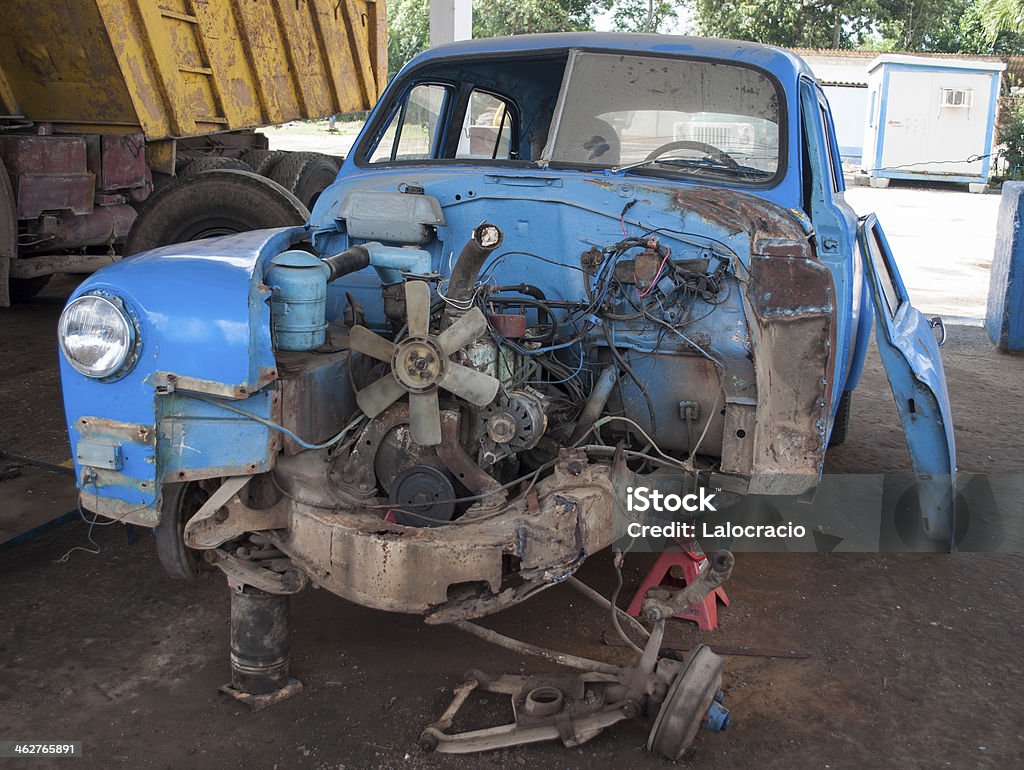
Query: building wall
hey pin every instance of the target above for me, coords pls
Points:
(849, 106)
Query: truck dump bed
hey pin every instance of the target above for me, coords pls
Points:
(184, 68)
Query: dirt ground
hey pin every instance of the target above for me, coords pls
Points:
(914, 660)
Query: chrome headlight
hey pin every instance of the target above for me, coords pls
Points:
(96, 336)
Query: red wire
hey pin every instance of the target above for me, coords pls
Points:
(657, 275)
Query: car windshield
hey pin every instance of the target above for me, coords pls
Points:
(669, 116)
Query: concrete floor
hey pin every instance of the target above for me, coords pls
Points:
(942, 238)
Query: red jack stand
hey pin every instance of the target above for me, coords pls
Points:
(705, 614)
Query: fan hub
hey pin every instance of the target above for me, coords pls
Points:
(418, 364)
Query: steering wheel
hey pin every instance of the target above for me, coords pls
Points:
(687, 144)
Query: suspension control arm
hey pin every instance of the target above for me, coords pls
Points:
(661, 603)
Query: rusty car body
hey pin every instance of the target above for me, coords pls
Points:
(552, 267)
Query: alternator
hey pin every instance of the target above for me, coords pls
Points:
(513, 422)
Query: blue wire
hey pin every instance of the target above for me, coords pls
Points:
(281, 428)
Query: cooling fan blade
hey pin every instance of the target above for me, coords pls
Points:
(425, 418)
(421, 364)
(362, 340)
(476, 387)
(377, 397)
(462, 332)
(417, 308)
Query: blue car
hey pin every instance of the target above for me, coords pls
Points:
(552, 268)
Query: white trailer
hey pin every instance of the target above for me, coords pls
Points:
(931, 119)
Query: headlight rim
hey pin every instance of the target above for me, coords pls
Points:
(122, 308)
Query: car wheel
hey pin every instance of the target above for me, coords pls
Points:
(180, 502)
(213, 203)
(306, 175)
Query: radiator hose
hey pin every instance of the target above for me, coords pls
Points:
(486, 238)
(348, 261)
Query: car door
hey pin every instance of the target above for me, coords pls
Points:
(835, 227)
(910, 354)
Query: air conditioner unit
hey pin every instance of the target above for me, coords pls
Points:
(956, 97)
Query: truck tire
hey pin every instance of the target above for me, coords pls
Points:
(263, 161)
(842, 421)
(305, 174)
(213, 203)
(213, 163)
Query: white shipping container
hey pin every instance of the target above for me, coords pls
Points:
(930, 118)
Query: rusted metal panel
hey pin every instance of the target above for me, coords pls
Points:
(316, 395)
(391, 567)
(792, 320)
(129, 492)
(123, 162)
(55, 192)
(790, 307)
(29, 154)
(180, 68)
(49, 173)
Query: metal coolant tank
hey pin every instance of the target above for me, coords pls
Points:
(298, 305)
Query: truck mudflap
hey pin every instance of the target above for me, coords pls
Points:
(910, 354)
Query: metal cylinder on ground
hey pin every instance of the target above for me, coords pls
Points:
(260, 641)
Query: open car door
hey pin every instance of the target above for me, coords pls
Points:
(910, 354)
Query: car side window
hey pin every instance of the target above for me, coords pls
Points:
(412, 132)
(883, 269)
(486, 132)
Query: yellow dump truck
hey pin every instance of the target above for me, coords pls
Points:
(111, 109)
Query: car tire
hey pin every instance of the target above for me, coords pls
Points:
(263, 162)
(180, 502)
(842, 422)
(306, 175)
(213, 163)
(213, 203)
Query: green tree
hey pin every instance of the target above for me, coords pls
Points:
(789, 23)
(942, 26)
(643, 15)
(408, 31)
(1010, 134)
(1001, 16)
(492, 18)
(409, 21)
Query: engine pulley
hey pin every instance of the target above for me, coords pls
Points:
(426, 496)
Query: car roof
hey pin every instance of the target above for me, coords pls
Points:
(780, 62)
